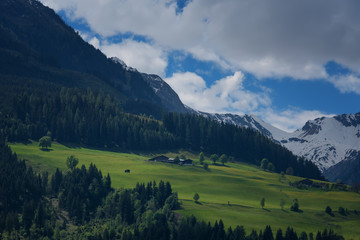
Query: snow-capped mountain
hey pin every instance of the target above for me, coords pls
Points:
(326, 141)
(331, 143)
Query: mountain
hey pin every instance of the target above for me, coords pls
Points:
(333, 144)
(36, 45)
(167, 95)
(347, 170)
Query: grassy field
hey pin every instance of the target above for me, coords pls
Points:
(230, 192)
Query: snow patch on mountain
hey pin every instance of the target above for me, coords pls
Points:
(123, 64)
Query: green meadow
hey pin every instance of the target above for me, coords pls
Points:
(232, 192)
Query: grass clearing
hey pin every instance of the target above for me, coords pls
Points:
(241, 185)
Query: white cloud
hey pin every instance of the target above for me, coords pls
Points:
(269, 67)
(207, 55)
(346, 83)
(95, 42)
(142, 56)
(291, 119)
(224, 95)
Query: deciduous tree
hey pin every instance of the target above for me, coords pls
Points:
(223, 158)
(71, 162)
(264, 163)
(196, 197)
(214, 158)
(45, 142)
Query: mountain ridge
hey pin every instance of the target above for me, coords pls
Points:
(35, 42)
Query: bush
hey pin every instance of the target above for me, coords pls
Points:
(328, 210)
(295, 206)
(342, 211)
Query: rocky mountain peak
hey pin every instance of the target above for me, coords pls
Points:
(349, 119)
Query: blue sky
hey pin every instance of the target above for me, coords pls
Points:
(284, 61)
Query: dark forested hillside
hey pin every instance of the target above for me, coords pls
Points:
(38, 49)
(82, 116)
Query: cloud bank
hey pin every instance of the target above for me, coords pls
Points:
(224, 95)
(267, 38)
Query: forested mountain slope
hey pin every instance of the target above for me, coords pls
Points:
(38, 50)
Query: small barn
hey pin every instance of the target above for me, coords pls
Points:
(160, 158)
(165, 159)
(186, 162)
(171, 160)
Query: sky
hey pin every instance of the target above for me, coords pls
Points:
(285, 61)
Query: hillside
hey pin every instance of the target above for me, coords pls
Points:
(38, 50)
(240, 185)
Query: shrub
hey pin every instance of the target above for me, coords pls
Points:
(328, 210)
(295, 206)
(341, 210)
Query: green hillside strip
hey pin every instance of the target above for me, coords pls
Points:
(240, 185)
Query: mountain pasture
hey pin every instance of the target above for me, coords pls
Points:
(231, 192)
